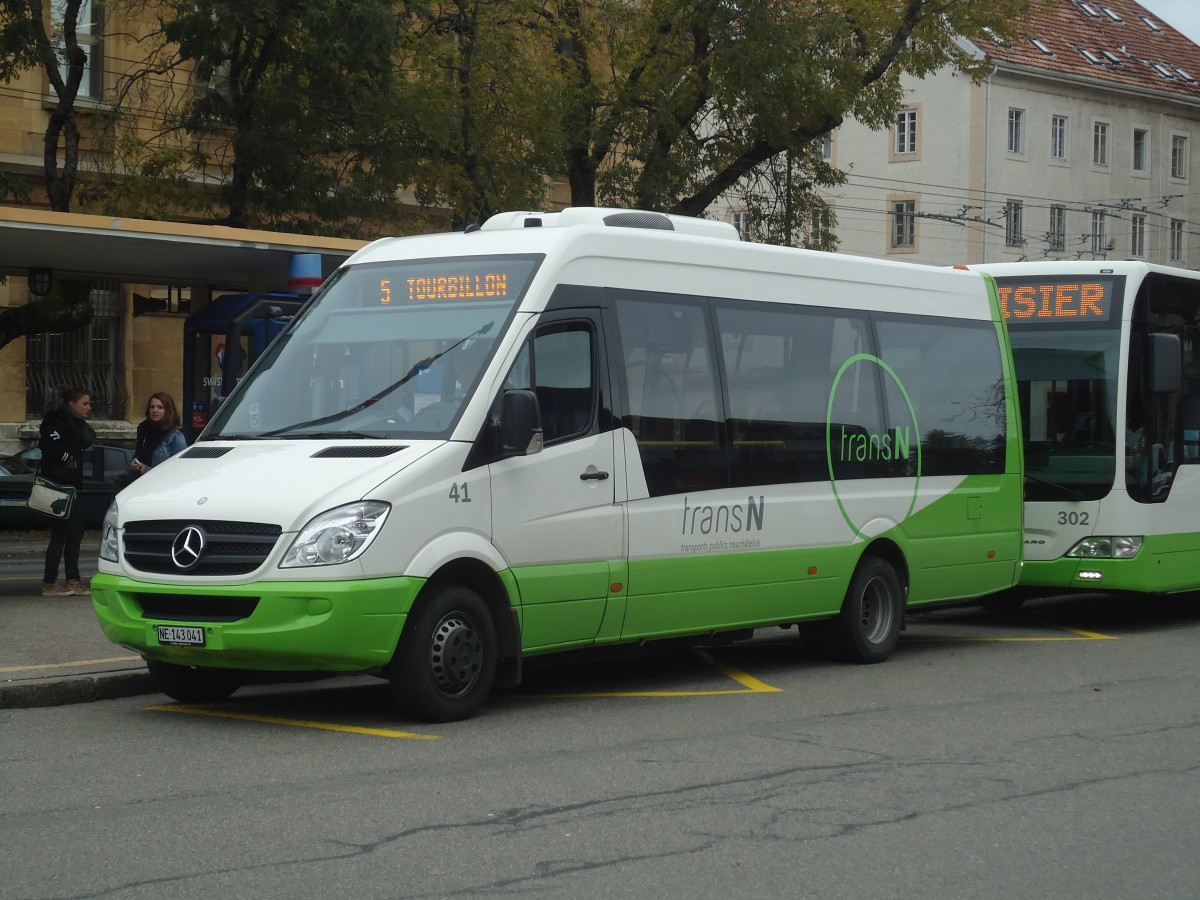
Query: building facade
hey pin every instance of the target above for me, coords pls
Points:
(1081, 142)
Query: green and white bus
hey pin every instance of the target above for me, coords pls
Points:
(1108, 366)
(570, 430)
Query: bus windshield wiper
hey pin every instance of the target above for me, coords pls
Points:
(1070, 492)
(372, 400)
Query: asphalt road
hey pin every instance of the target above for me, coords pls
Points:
(1051, 754)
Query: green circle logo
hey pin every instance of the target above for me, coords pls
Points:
(850, 447)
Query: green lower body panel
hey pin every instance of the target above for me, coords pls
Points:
(306, 626)
(1167, 563)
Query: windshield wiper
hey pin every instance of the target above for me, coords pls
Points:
(371, 401)
(1070, 492)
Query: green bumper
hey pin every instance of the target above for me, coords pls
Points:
(1166, 564)
(282, 626)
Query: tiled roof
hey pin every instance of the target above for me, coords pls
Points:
(1117, 41)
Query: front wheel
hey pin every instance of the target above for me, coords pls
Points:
(445, 662)
(190, 684)
(868, 627)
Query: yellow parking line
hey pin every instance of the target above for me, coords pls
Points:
(71, 665)
(297, 723)
(1082, 636)
(750, 685)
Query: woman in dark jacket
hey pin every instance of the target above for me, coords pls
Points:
(65, 435)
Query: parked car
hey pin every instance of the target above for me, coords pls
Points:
(102, 464)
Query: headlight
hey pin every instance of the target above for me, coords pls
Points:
(110, 546)
(1106, 548)
(337, 536)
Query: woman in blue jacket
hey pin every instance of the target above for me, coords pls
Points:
(159, 437)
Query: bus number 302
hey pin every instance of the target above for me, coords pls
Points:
(1064, 518)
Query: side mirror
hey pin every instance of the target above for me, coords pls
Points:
(1165, 357)
(520, 424)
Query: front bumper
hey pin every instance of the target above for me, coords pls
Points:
(311, 626)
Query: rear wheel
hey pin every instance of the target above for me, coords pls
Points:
(191, 684)
(868, 627)
(446, 659)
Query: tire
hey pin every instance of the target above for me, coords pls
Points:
(189, 684)
(868, 627)
(445, 662)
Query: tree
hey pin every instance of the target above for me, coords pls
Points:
(289, 107)
(25, 44)
(484, 133)
(673, 103)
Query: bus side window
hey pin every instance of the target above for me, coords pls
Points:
(670, 383)
(558, 364)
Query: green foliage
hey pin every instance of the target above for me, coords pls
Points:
(294, 106)
(674, 103)
(482, 93)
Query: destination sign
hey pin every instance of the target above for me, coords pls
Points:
(445, 288)
(452, 280)
(1058, 300)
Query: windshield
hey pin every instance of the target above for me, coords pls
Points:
(386, 350)
(1067, 382)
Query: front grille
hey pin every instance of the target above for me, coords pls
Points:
(192, 608)
(230, 548)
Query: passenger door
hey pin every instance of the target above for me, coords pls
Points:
(554, 516)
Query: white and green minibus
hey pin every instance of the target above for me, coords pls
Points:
(1107, 356)
(569, 430)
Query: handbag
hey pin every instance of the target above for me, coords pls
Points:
(51, 498)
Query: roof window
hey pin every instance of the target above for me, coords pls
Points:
(1111, 57)
(1041, 46)
(1184, 75)
(1110, 13)
(1089, 56)
(1089, 10)
(1151, 24)
(1163, 71)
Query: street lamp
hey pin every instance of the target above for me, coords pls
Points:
(40, 281)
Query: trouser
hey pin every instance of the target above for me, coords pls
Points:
(66, 536)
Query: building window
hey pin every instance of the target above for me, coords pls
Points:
(1016, 131)
(1141, 150)
(90, 357)
(89, 32)
(1177, 247)
(826, 147)
(1058, 137)
(1179, 156)
(1014, 235)
(1099, 232)
(904, 223)
(1058, 228)
(820, 227)
(1100, 144)
(1137, 236)
(741, 221)
(906, 131)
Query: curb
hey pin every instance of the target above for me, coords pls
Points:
(74, 689)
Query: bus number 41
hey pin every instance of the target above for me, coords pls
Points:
(459, 494)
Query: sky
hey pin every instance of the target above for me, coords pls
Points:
(1182, 15)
